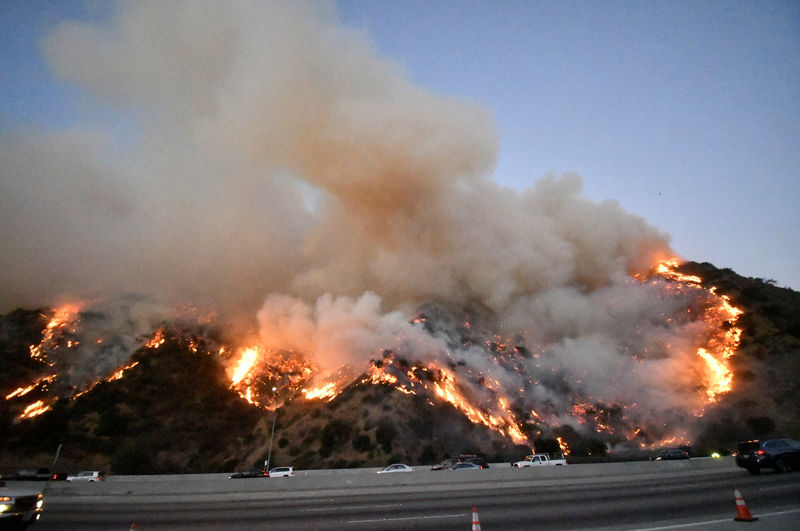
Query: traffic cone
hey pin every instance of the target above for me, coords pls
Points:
(742, 512)
(476, 524)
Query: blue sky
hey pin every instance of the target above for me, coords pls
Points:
(686, 113)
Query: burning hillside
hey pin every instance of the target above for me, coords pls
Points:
(520, 386)
(504, 386)
(333, 226)
(666, 363)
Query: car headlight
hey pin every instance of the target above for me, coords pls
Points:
(5, 506)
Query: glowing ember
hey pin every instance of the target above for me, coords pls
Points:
(563, 445)
(257, 371)
(378, 376)
(157, 340)
(120, 373)
(116, 375)
(37, 408)
(22, 391)
(668, 268)
(63, 316)
(326, 391)
(502, 422)
(443, 384)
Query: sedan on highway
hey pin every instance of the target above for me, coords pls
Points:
(397, 467)
(466, 466)
(87, 475)
(669, 455)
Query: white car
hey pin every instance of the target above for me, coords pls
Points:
(397, 467)
(19, 507)
(87, 475)
(282, 472)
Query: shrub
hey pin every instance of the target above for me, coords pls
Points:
(429, 455)
(761, 426)
(133, 458)
(334, 434)
(385, 433)
(362, 443)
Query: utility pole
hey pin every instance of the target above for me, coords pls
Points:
(272, 433)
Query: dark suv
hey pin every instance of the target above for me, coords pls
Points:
(780, 454)
(669, 455)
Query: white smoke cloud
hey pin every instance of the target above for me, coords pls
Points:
(242, 108)
(238, 113)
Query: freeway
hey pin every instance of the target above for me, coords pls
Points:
(616, 496)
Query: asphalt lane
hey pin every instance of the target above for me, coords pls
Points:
(690, 499)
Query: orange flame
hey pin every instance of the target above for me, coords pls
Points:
(444, 386)
(62, 316)
(327, 391)
(240, 372)
(245, 363)
(157, 340)
(254, 367)
(119, 373)
(116, 375)
(667, 269)
(719, 375)
(37, 408)
(724, 341)
(563, 445)
(22, 391)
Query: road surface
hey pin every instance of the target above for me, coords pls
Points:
(651, 498)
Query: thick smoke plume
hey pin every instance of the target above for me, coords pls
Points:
(258, 148)
(261, 152)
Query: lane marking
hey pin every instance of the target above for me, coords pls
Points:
(705, 522)
(351, 507)
(779, 487)
(405, 518)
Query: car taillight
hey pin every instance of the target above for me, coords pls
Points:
(761, 452)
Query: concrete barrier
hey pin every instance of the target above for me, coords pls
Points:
(310, 481)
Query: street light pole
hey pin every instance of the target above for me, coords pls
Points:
(272, 433)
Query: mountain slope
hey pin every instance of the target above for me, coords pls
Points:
(763, 401)
(172, 408)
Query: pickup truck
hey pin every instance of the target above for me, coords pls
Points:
(540, 460)
(19, 507)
